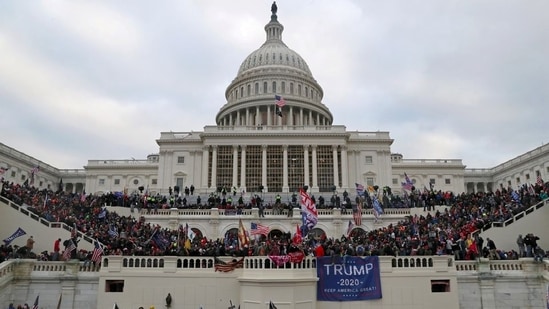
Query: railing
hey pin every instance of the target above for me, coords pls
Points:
(45, 222)
(267, 212)
(516, 217)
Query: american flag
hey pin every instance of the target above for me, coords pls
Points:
(350, 228)
(280, 102)
(243, 238)
(357, 214)
(408, 183)
(35, 170)
(359, 189)
(97, 253)
(35, 306)
(3, 170)
(539, 181)
(259, 229)
(228, 266)
(68, 250)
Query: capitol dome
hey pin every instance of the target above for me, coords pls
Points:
(274, 69)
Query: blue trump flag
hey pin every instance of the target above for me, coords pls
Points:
(348, 279)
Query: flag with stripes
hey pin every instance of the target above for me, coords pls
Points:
(357, 214)
(68, 249)
(97, 253)
(308, 210)
(279, 101)
(350, 228)
(243, 238)
(228, 266)
(359, 189)
(408, 183)
(3, 170)
(259, 229)
(539, 181)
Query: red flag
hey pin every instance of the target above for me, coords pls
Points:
(297, 239)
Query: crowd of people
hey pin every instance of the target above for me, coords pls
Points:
(448, 231)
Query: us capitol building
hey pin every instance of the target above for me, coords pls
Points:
(257, 146)
(260, 144)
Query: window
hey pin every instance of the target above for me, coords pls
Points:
(135, 182)
(369, 160)
(440, 286)
(291, 88)
(40, 184)
(180, 160)
(23, 177)
(509, 183)
(283, 87)
(447, 181)
(256, 88)
(114, 286)
(518, 180)
(432, 181)
(264, 87)
(154, 181)
(527, 176)
(274, 87)
(117, 181)
(395, 181)
(370, 181)
(12, 173)
(101, 181)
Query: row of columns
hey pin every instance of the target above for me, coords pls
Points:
(272, 118)
(285, 186)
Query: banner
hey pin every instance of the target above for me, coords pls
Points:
(348, 279)
(13, 236)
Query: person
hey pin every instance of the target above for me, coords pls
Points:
(30, 243)
(56, 249)
(274, 8)
(520, 244)
(492, 249)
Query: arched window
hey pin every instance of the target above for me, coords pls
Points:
(283, 87)
(291, 88)
(264, 87)
(299, 90)
(249, 92)
(256, 90)
(274, 87)
(306, 91)
(241, 92)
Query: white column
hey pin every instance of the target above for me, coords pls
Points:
(285, 187)
(291, 117)
(238, 121)
(336, 170)
(306, 164)
(264, 167)
(214, 167)
(230, 119)
(301, 117)
(269, 116)
(344, 168)
(205, 155)
(257, 116)
(315, 169)
(243, 168)
(310, 117)
(247, 122)
(235, 166)
(317, 119)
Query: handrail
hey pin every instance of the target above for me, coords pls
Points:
(514, 218)
(47, 223)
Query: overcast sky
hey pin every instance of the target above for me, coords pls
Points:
(448, 79)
